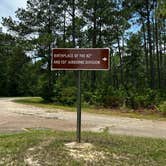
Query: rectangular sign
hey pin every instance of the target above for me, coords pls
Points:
(80, 59)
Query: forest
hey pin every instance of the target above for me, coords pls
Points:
(134, 30)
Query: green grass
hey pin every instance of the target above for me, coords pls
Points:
(38, 102)
(48, 148)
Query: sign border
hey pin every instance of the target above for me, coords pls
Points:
(54, 69)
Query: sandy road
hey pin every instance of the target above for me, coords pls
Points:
(16, 117)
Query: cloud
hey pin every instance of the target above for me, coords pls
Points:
(5, 8)
(8, 7)
(5, 4)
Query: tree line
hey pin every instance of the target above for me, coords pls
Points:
(135, 32)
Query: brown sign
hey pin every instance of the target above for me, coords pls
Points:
(80, 59)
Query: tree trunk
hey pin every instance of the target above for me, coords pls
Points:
(50, 81)
(94, 43)
(121, 63)
(145, 51)
(157, 54)
(64, 29)
(73, 24)
(152, 74)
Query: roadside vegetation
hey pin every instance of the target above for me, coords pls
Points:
(134, 32)
(45, 147)
(121, 111)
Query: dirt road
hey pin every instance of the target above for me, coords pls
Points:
(15, 117)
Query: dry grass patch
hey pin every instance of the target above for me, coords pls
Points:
(84, 151)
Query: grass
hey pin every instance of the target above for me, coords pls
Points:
(46, 147)
(38, 102)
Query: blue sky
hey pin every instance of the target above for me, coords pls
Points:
(8, 7)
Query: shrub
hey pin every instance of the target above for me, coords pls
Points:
(87, 97)
(162, 108)
(110, 91)
(68, 96)
(112, 97)
(112, 101)
(57, 92)
(95, 98)
(151, 97)
(147, 99)
(143, 102)
(140, 101)
(45, 93)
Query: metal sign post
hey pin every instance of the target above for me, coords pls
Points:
(79, 106)
(80, 59)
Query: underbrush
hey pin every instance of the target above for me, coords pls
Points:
(110, 97)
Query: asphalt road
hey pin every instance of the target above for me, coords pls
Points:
(17, 117)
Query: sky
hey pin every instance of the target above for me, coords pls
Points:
(8, 8)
